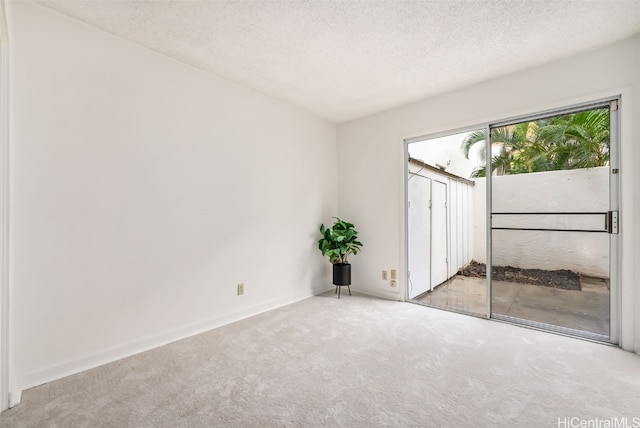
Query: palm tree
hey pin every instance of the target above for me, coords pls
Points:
(578, 140)
(514, 143)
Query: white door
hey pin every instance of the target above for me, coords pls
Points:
(439, 244)
(419, 189)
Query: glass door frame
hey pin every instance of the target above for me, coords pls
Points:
(407, 174)
(614, 205)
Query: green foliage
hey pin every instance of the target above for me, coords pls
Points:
(578, 140)
(339, 241)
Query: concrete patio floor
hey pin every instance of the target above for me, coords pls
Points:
(585, 310)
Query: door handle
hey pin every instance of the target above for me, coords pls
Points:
(612, 222)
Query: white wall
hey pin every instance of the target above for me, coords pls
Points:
(143, 191)
(375, 203)
(578, 190)
(4, 212)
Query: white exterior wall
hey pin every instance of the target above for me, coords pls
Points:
(580, 190)
(375, 202)
(143, 190)
(462, 217)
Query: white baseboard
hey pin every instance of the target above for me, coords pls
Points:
(322, 289)
(15, 397)
(87, 362)
(383, 294)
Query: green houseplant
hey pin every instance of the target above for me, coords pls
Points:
(337, 243)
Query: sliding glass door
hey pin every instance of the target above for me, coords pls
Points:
(553, 215)
(532, 238)
(442, 202)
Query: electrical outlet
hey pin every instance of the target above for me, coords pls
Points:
(393, 283)
(384, 275)
(394, 274)
(241, 289)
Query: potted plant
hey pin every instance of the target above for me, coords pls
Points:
(338, 242)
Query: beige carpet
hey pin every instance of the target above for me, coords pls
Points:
(353, 362)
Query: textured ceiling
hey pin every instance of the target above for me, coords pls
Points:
(348, 59)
